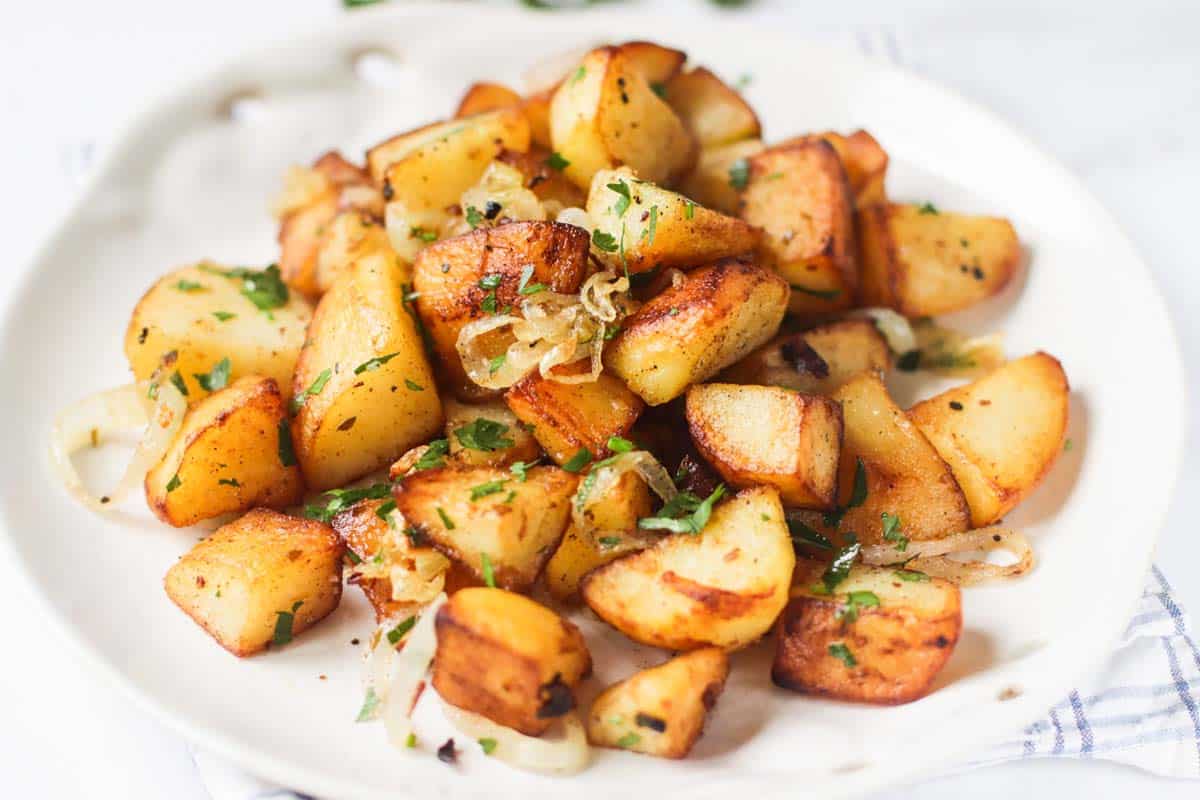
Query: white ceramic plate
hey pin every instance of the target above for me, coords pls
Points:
(189, 180)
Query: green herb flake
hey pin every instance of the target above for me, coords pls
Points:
(842, 653)
(577, 462)
(434, 455)
(739, 173)
(892, 532)
(424, 234)
(446, 521)
(609, 541)
(491, 281)
(228, 482)
(618, 444)
(803, 534)
(373, 364)
(215, 379)
(858, 495)
(520, 470)
(623, 200)
(689, 210)
(338, 499)
(604, 241)
(400, 631)
(188, 286)
(659, 88)
(314, 388)
(628, 740)
(927, 208)
(287, 453)
(369, 707)
(496, 362)
(579, 73)
(178, 382)
(474, 217)
(485, 489)
(264, 288)
(652, 227)
(385, 510)
(911, 576)
(525, 288)
(855, 601)
(685, 513)
(174, 483)
(839, 568)
(483, 434)
(284, 620)
(223, 316)
(556, 161)
(487, 745)
(411, 741)
(1067, 445)
(485, 566)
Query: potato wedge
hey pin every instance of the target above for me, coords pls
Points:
(659, 228)
(881, 638)
(447, 278)
(711, 182)
(1001, 433)
(260, 580)
(723, 587)
(865, 161)
(534, 659)
(713, 111)
(565, 417)
(225, 458)
(546, 182)
(612, 531)
(815, 361)
(349, 236)
(462, 417)
(206, 313)
(483, 97)
(364, 384)
(689, 333)
(473, 514)
(799, 195)
(606, 114)
(300, 236)
(766, 436)
(925, 262)
(904, 475)
(660, 711)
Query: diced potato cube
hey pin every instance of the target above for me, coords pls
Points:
(711, 109)
(466, 415)
(815, 361)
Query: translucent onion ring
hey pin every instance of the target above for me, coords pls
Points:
(932, 557)
(592, 492)
(897, 330)
(398, 678)
(563, 750)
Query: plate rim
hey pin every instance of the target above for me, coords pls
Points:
(259, 760)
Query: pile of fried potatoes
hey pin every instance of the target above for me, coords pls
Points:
(599, 345)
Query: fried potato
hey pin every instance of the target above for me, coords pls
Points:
(225, 458)
(300, 235)
(766, 436)
(925, 262)
(865, 162)
(660, 711)
(799, 195)
(465, 415)
(546, 182)
(711, 182)
(659, 228)
(1001, 433)
(612, 531)
(714, 112)
(904, 475)
(447, 279)
(565, 417)
(365, 383)
(206, 313)
(690, 332)
(882, 637)
(483, 97)
(349, 236)
(534, 659)
(724, 586)
(606, 114)
(261, 579)
(815, 361)
(473, 514)
(536, 108)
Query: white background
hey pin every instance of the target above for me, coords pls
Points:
(1111, 88)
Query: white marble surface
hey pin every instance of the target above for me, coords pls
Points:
(1111, 88)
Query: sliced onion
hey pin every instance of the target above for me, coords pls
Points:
(574, 215)
(933, 557)
(893, 327)
(398, 678)
(105, 414)
(563, 750)
(952, 352)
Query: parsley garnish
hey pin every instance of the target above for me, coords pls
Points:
(411, 741)
(911, 576)
(485, 566)
(805, 535)
(739, 173)
(174, 483)
(824, 294)
(283, 624)
(264, 288)
(556, 161)
(397, 633)
(689, 210)
(684, 513)
(579, 73)
(892, 532)
(314, 388)
(496, 362)
(413, 385)
(287, 453)
(215, 379)
(628, 740)
(858, 495)
(842, 653)
(488, 745)
(855, 601)
(609, 541)
(839, 568)
(618, 444)
(188, 286)
(371, 701)
(384, 511)
(659, 88)
(483, 434)
(604, 241)
(449, 523)
(520, 469)
(927, 208)
(223, 316)
(622, 205)
(577, 462)
(228, 482)
(425, 235)
(474, 217)
(370, 365)
(433, 455)
(491, 281)
(525, 287)
(484, 489)
(338, 499)
(653, 228)
(179, 383)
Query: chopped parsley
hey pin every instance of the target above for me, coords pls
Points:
(413, 385)
(370, 365)
(628, 740)
(217, 378)
(619, 444)
(911, 576)
(855, 601)
(485, 489)
(474, 217)
(496, 362)
(839, 568)
(520, 470)
(485, 566)
(446, 521)
(623, 200)
(284, 620)
(338, 499)
(684, 513)
(369, 707)
(689, 210)
(179, 383)
(892, 532)
(434, 455)
(653, 226)
(491, 281)
(842, 653)
(488, 745)
(411, 741)
(1067, 445)
(223, 316)
(659, 88)
(483, 434)
(739, 173)
(604, 241)
(228, 482)
(927, 208)
(314, 388)
(174, 483)
(424, 234)
(577, 462)
(264, 288)
(858, 495)
(579, 73)
(384, 511)
(400, 631)
(287, 453)
(824, 294)
(556, 161)
(803, 534)
(188, 286)
(609, 541)
(526, 288)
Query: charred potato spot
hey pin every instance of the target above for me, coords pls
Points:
(815, 361)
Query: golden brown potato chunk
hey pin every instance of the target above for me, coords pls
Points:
(363, 386)
(715, 180)
(448, 275)
(724, 586)
(546, 182)
(690, 332)
(711, 110)
(464, 417)
(205, 313)
(565, 417)
(225, 458)
(799, 195)
(350, 236)
(484, 96)
(902, 473)
(881, 637)
(259, 580)
(660, 711)
(766, 436)
(865, 161)
(606, 113)
(502, 527)
(656, 228)
(534, 659)
(924, 262)
(815, 361)
(1001, 433)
